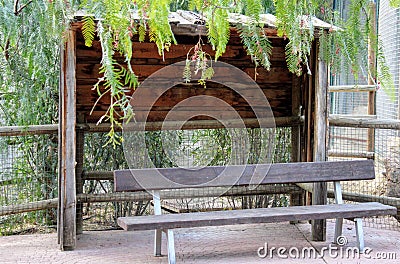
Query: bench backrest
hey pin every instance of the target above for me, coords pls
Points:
(241, 175)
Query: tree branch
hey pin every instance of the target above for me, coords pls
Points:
(17, 10)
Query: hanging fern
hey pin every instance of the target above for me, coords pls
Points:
(88, 30)
(384, 78)
(294, 22)
(218, 29)
(256, 43)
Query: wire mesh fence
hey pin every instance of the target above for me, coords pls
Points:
(28, 179)
(28, 182)
(194, 148)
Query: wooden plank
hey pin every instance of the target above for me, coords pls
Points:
(241, 175)
(274, 75)
(320, 143)
(67, 147)
(364, 123)
(352, 88)
(253, 216)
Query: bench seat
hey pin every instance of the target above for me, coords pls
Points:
(155, 180)
(252, 216)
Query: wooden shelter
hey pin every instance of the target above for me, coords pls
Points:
(296, 101)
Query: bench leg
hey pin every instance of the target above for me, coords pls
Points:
(158, 232)
(157, 242)
(338, 229)
(359, 234)
(171, 246)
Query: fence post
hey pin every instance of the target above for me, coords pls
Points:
(319, 152)
(67, 148)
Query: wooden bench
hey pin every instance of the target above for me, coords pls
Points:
(127, 180)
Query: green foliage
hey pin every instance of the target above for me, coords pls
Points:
(88, 30)
(218, 29)
(159, 28)
(384, 77)
(30, 44)
(201, 61)
(294, 21)
(395, 3)
(256, 43)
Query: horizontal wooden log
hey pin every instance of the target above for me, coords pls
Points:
(198, 124)
(151, 126)
(28, 130)
(98, 175)
(252, 216)
(339, 116)
(352, 88)
(274, 75)
(343, 154)
(28, 207)
(242, 175)
(365, 123)
(189, 193)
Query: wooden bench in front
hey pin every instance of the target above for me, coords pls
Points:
(302, 172)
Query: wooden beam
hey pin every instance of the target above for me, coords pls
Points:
(352, 88)
(296, 199)
(364, 123)
(320, 142)
(28, 130)
(339, 116)
(372, 46)
(98, 175)
(358, 197)
(67, 210)
(188, 193)
(80, 142)
(200, 124)
(342, 154)
(288, 121)
(28, 207)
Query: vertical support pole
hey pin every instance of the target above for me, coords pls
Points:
(319, 151)
(171, 247)
(157, 232)
(80, 141)
(339, 200)
(372, 44)
(296, 198)
(60, 114)
(359, 234)
(67, 194)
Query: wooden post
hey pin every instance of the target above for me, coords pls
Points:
(372, 77)
(80, 141)
(319, 150)
(296, 198)
(67, 151)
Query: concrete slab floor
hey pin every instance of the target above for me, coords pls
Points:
(227, 244)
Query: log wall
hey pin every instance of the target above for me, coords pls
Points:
(276, 83)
